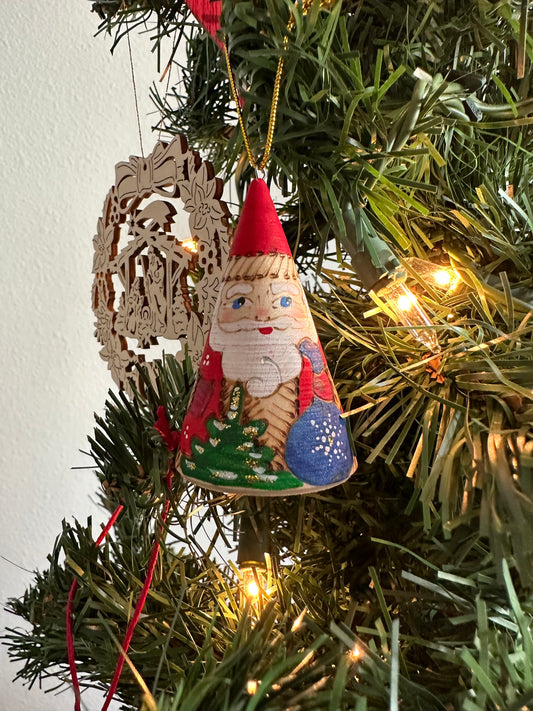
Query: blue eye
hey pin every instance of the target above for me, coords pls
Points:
(285, 301)
(239, 302)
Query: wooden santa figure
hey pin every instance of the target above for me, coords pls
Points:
(264, 417)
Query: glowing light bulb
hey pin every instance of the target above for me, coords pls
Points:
(252, 589)
(298, 621)
(406, 301)
(442, 277)
(251, 686)
(355, 653)
(436, 275)
(410, 313)
(252, 583)
(190, 245)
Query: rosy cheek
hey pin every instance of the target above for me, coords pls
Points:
(228, 314)
(298, 312)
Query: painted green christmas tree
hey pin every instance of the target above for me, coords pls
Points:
(232, 455)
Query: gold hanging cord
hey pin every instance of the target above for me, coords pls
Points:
(258, 165)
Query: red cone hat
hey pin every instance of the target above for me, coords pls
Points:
(208, 12)
(259, 230)
(264, 417)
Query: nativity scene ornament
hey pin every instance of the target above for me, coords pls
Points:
(264, 417)
(150, 282)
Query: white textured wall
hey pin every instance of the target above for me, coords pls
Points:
(67, 116)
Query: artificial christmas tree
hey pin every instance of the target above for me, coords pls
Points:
(402, 150)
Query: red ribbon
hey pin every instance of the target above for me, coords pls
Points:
(70, 605)
(171, 439)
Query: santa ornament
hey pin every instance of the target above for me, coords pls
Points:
(264, 417)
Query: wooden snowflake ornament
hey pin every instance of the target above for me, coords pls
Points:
(155, 279)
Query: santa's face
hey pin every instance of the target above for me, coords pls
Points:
(263, 305)
(258, 325)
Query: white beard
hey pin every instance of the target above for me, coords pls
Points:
(262, 362)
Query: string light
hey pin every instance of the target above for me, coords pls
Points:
(190, 245)
(443, 277)
(252, 583)
(406, 301)
(252, 589)
(298, 621)
(437, 275)
(251, 686)
(251, 558)
(355, 653)
(409, 311)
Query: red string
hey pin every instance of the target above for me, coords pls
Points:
(70, 604)
(137, 613)
(171, 439)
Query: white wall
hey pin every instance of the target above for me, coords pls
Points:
(67, 116)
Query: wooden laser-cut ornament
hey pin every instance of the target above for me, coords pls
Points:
(264, 417)
(150, 283)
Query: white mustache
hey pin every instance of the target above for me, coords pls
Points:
(248, 324)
